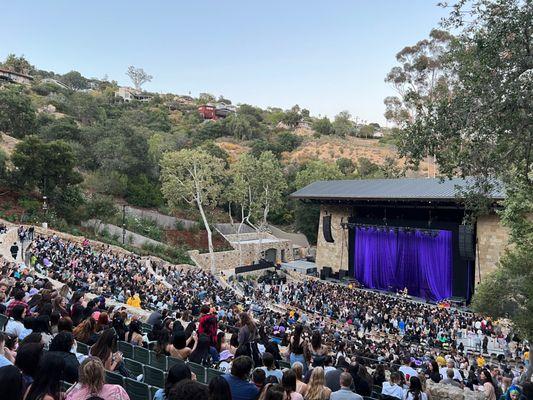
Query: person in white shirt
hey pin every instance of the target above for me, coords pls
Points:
(451, 365)
(415, 390)
(407, 370)
(392, 388)
(15, 326)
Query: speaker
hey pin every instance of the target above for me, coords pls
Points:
(342, 273)
(466, 243)
(326, 228)
(325, 272)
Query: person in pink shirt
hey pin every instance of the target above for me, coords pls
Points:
(92, 383)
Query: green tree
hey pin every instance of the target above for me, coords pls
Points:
(342, 124)
(75, 80)
(100, 208)
(346, 165)
(482, 128)
(239, 127)
(288, 141)
(193, 177)
(18, 64)
(17, 115)
(271, 184)
(306, 216)
(61, 129)
(323, 126)
(46, 166)
(292, 117)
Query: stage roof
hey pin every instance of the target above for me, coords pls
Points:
(403, 189)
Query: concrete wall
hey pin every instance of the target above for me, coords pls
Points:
(492, 240)
(131, 238)
(164, 221)
(334, 255)
(231, 259)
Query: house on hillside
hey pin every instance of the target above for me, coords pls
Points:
(15, 77)
(131, 94)
(216, 111)
(377, 135)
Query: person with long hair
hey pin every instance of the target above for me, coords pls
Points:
(273, 392)
(247, 329)
(104, 349)
(317, 351)
(47, 382)
(59, 304)
(180, 345)
(288, 381)
(378, 376)
(316, 389)
(176, 373)
(434, 372)
(15, 324)
(92, 383)
(27, 360)
(415, 390)
(11, 383)
(62, 345)
(135, 334)
(487, 384)
(219, 389)
(301, 386)
(296, 347)
(85, 332)
(201, 354)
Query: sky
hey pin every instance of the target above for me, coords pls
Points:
(326, 56)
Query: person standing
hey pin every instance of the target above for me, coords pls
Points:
(14, 249)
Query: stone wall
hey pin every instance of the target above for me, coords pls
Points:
(231, 259)
(334, 255)
(492, 240)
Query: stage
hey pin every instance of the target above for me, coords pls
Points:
(391, 234)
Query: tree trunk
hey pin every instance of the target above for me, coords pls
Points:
(209, 237)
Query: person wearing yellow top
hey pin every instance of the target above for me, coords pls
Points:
(480, 361)
(134, 301)
(441, 360)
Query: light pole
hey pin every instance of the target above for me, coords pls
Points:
(123, 224)
(45, 210)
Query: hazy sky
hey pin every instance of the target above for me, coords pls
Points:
(326, 56)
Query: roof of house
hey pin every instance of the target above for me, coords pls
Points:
(7, 71)
(403, 189)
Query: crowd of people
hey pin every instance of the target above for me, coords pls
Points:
(327, 341)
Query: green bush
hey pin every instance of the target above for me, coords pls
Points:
(143, 193)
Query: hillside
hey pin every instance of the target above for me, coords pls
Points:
(97, 142)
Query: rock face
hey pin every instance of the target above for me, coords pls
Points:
(441, 391)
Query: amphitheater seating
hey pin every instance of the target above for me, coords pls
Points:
(114, 378)
(141, 354)
(126, 349)
(154, 376)
(158, 361)
(3, 321)
(135, 367)
(199, 370)
(137, 390)
(211, 373)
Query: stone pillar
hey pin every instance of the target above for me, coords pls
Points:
(334, 255)
(492, 240)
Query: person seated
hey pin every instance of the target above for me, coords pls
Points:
(392, 388)
(345, 393)
(270, 367)
(449, 379)
(92, 383)
(241, 389)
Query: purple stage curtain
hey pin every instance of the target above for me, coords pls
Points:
(392, 259)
